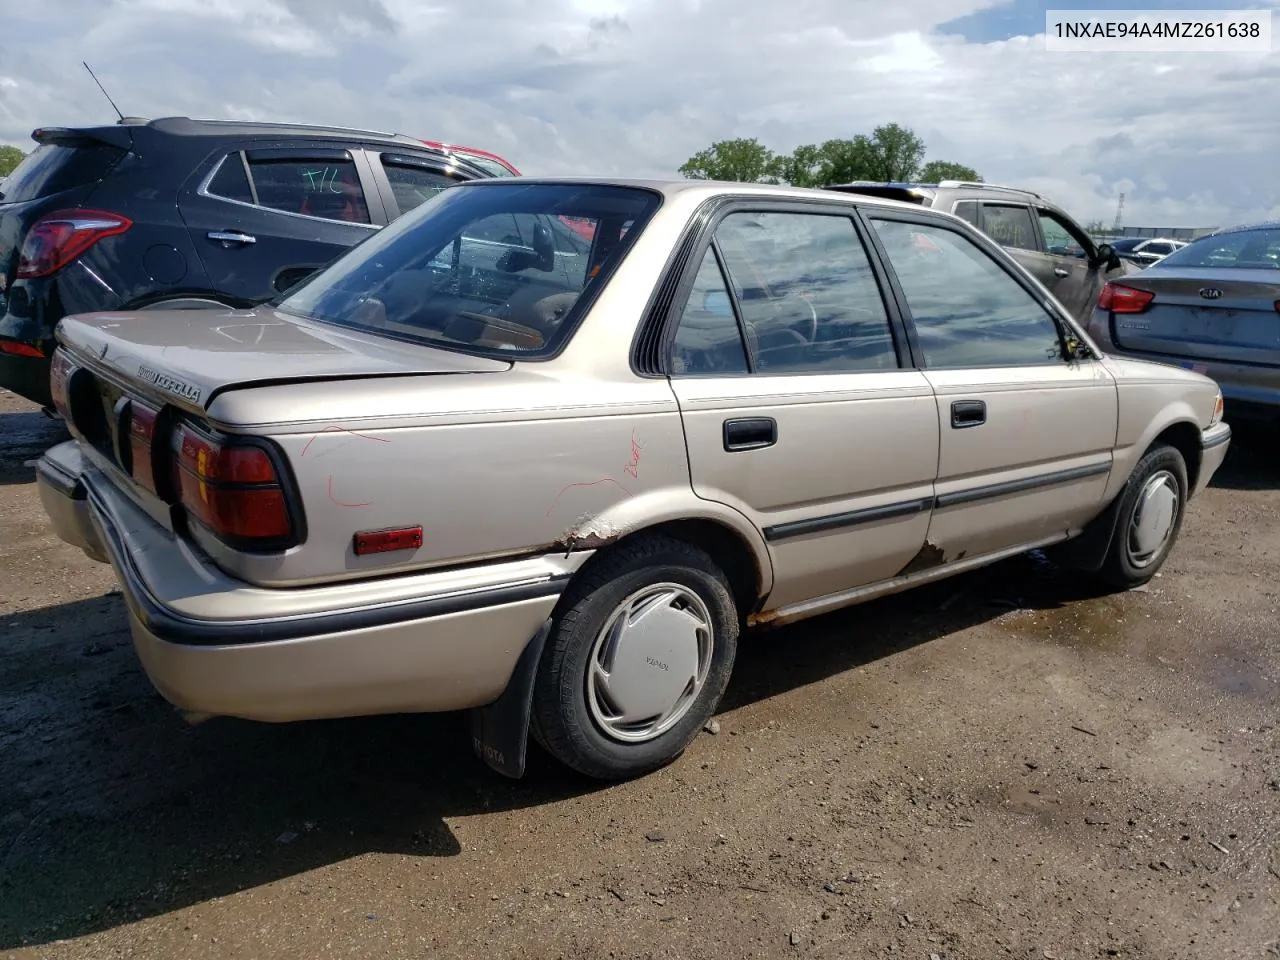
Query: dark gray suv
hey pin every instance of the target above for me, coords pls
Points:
(1037, 233)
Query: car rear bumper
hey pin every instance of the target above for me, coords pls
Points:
(210, 644)
(28, 377)
(1214, 443)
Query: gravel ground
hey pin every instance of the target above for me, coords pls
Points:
(1005, 764)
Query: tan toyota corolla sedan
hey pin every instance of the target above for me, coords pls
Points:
(542, 449)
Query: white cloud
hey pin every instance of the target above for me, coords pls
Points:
(635, 86)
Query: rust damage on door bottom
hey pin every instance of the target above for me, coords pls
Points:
(930, 555)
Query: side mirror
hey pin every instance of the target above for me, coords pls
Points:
(542, 257)
(1106, 256)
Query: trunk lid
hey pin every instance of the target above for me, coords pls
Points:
(1211, 314)
(187, 357)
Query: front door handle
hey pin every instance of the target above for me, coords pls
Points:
(232, 237)
(750, 433)
(1061, 272)
(968, 413)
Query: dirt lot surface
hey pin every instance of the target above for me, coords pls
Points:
(1005, 764)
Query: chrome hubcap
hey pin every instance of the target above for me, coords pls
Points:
(1154, 515)
(649, 662)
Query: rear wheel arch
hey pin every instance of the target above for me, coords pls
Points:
(727, 547)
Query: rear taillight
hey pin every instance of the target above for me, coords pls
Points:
(60, 368)
(57, 239)
(1121, 299)
(233, 489)
(142, 434)
(19, 349)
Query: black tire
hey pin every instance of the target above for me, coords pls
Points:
(561, 718)
(1119, 569)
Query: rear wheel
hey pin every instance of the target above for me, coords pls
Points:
(637, 659)
(1149, 519)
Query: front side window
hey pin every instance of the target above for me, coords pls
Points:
(966, 309)
(489, 267)
(1057, 239)
(1009, 225)
(412, 184)
(806, 293)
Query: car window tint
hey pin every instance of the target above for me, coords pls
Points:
(412, 186)
(231, 181)
(54, 167)
(708, 340)
(328, 189)
(809, 301)
(1056, 238)
(967, 210)
(1009, 226)
(966, 309)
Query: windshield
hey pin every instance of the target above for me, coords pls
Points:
(487, 164)
(1125, 244)
(1245, 249)
(489, 267)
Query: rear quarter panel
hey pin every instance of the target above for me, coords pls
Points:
(490, 466)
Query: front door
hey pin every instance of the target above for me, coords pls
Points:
(1076, 279)
(796, 410)
(1027, 432)
(268, 217)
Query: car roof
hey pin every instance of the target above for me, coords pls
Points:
(710, 189)
(189, 127)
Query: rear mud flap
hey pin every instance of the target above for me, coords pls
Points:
(500, 730)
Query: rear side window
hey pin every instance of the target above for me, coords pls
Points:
(54, 167)
(1009, 226)
(314, 188)
(708, 341)
(967, 210)
(806, 293)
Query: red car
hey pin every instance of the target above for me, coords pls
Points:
(491, 162)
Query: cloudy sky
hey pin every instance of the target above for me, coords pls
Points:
(633, 87)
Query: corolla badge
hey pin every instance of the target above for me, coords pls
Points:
(170, 384)
(1210, 293)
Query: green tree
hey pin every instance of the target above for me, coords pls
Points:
(894, 153)
(10, 157)
(935, 171)
(744, 160)
(845, 160)
(803, 167)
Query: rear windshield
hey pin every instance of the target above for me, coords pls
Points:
(54, 167)
(1246, 249)
(491, 268)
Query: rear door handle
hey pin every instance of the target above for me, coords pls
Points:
(1061, 272)
(231, 237)
(750, 433)
(968, 413)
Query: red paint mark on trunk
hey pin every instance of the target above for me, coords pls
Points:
(344, 503)
(334, 428)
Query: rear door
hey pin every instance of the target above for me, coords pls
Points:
(797, 412)
(1074, 279)
(265, 216)
(1013, 226)
(1026, 433)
